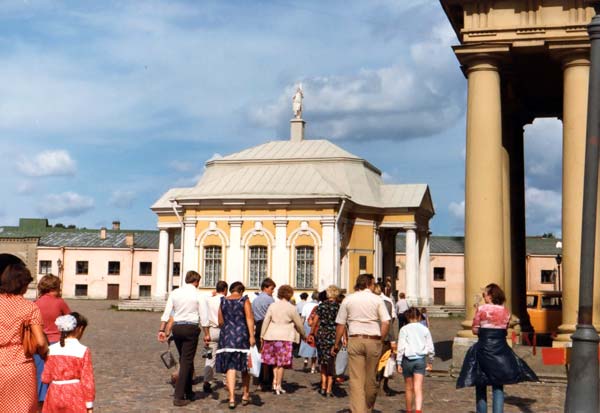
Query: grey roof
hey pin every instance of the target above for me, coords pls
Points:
(456, 245)
(293, 170)
(81, 238)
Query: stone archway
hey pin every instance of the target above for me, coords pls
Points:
(8, 259)
(522, 60)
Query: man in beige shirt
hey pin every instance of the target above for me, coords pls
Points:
(367, 320)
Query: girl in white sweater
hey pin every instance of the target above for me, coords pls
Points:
(415, 356)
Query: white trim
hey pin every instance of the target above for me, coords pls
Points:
(228, 218)
(256, 231)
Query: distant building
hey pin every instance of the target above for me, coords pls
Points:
(105, 263)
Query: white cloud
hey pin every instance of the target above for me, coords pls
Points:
(25, 187)
(457, 210)
(418, 97)
(122, 198)
(543, 211)
(543, 154)
(48, 163)
(65, 204)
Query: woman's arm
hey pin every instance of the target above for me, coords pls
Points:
(298, 324)
(249, 321)
(40, 339)
(220, 317)
(476, 323)
(266, 322)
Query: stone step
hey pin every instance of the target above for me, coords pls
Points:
(142, 304)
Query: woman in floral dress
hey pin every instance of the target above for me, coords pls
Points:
(325, 337)
(236, 322)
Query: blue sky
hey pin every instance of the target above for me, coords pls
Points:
(105, 105)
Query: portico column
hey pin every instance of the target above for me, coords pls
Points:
(424, 275)
(234, 255)
(484, 241)
(412, 263)
(576, 73)
(190, 258)
(327, 275)
(160, 289)
(171, 261)
(281, 256)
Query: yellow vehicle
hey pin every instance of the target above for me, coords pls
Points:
(545, 310)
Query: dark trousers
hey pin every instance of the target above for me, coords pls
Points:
(186, 340)
(266, 371)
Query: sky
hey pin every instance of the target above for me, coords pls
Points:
(105, 105)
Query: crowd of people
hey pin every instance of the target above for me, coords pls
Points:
(43, 366)
(334, 334)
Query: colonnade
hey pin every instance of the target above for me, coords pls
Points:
(494, 186)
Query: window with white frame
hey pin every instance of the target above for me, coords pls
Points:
(45, 267)
(548, 276)
(258, 264)
(305, 264)
(212, 265)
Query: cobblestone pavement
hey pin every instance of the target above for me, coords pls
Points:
(131, 378)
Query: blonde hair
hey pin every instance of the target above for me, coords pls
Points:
(377, 289)
(332, 291)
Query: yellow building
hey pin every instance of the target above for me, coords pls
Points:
(303, 212)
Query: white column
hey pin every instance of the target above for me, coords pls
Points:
(327, 267)
(412, 261)
(281, 256)
(424, 275)
(190, 259)
(234, 255)
(377, 254)
(171, 261)
(160, 289)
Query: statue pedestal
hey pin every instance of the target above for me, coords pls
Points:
(297, 130)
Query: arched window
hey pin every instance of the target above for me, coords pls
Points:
(212, 265)
(305, 267)
(258, 266)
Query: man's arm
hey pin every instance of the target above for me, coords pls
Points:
(340, 330)
(385, 328)
(164, 319)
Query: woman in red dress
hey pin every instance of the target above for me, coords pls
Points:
(18, 392)
(69, 369)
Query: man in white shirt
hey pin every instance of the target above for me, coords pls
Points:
(187, 307)
(211, 333)
(368, 322)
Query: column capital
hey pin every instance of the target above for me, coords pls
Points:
(189, 222)
(328, 222)
(235, 222)
(571, 56)
(281, 222)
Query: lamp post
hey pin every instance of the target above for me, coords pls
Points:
(558, 259)
(582, 387)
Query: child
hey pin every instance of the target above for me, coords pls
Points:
(414, 344)
(425, 318)
(69, 369)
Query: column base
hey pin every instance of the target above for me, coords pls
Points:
(424, 302)
(460, 346)
(413, 301)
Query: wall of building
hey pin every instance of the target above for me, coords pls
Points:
(535, 266)
(97, 279)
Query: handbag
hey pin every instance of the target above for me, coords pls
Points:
(254, 362)
(341, 361)
(30, 345)
(167, 358)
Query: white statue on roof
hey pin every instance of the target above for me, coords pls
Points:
(297, 102)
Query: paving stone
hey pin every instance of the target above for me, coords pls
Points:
(130, 376)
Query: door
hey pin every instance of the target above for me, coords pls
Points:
(439, 296)
(112, 292)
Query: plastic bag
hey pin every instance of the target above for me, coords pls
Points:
(390, 367)
(341, 361)
(254, 362)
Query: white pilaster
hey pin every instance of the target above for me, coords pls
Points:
(190, 259)
(424, 275)
(327, 267)
(234, 255)
(160, 289)
(281, 254)
(378, 253)
(412, 262)
(171, 261)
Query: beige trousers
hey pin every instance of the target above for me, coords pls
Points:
(363, 356)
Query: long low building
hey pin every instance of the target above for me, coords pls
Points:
(115, 263)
